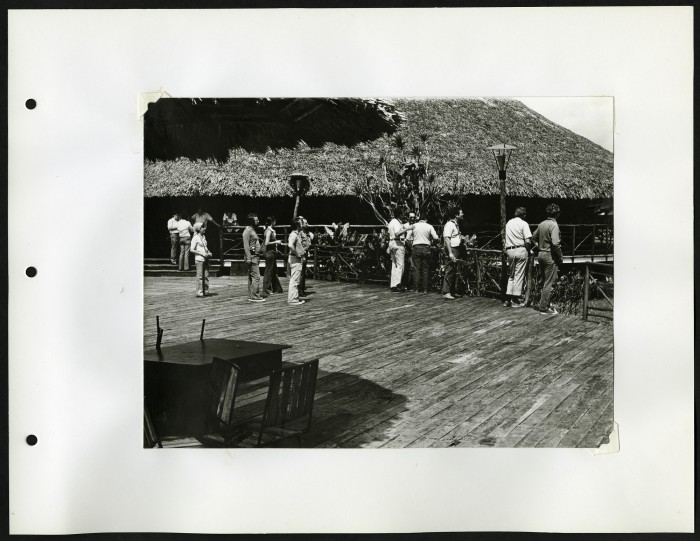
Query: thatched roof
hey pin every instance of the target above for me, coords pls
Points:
(206, 128)
(550, 161)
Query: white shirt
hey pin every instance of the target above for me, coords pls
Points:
(394, 227)
(199, 244)
(172, 225)
(422, 233)
(517, 231)
(451, 231)
(183, 228)
(409, 233)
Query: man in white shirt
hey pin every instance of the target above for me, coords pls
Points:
(453, 239)
(422, 233)
(184, 230)
(174, 237)
(397, 252)
(518, 244)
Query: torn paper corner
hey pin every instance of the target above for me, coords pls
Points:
(149, 97)
(613, 445)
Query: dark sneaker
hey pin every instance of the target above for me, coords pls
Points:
(507, 304)
(395, 290)
(549, 312)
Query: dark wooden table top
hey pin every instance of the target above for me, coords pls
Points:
(201, 352)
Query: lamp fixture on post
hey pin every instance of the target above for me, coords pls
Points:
(502, 153)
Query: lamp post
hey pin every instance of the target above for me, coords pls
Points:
(300, 185)
(501, 153)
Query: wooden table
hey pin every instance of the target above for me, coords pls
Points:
(176, 379)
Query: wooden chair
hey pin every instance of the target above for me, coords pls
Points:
(222, 426)
(150, 437)
(289, 404)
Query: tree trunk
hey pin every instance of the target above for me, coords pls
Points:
(296, 206)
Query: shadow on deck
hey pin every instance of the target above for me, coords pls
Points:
(415, 370)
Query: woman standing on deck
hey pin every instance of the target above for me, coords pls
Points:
(296, 255)
(271, 283)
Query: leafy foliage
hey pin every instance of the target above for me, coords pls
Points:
(403, 184)
(567, 291)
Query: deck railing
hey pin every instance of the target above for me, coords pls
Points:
(598, 291)
(362, 257)
(580, 242)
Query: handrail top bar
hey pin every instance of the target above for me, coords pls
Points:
(600, 264)
(374, 226)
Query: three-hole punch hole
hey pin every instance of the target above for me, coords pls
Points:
(31, 272)
(32, 440)
(30, 103)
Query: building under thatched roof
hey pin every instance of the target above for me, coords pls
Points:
(551, 161)
(205, 128)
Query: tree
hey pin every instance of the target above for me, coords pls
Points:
(300, 184)
(408, 185)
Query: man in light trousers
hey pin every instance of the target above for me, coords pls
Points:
(296, 256)
(397, 251)
(518, 244)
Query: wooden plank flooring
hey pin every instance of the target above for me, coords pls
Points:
(414, 370)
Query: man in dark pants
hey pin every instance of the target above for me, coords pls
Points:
(407, 281)
(252, 249)
(548, 239)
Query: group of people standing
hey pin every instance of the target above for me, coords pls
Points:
(186, 237)
(299, 243)
(409, 247)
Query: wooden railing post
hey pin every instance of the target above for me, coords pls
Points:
(315, 261)
(478, 272)
(337, 264)
(586, 289)
(220, 272)
(593, 244)
(573, 244)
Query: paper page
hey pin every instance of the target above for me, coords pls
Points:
(75, 329)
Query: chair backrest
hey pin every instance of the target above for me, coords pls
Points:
(150, 437)
(223, 381)
(290, 396)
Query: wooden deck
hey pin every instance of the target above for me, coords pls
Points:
(415, 370)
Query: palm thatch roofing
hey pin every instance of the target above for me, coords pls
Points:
(452, 135)
(206, 128)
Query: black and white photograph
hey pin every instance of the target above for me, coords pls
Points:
(350, 270)
(378, 273)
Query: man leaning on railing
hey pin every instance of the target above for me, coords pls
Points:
(518, 245)
(548, 239)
